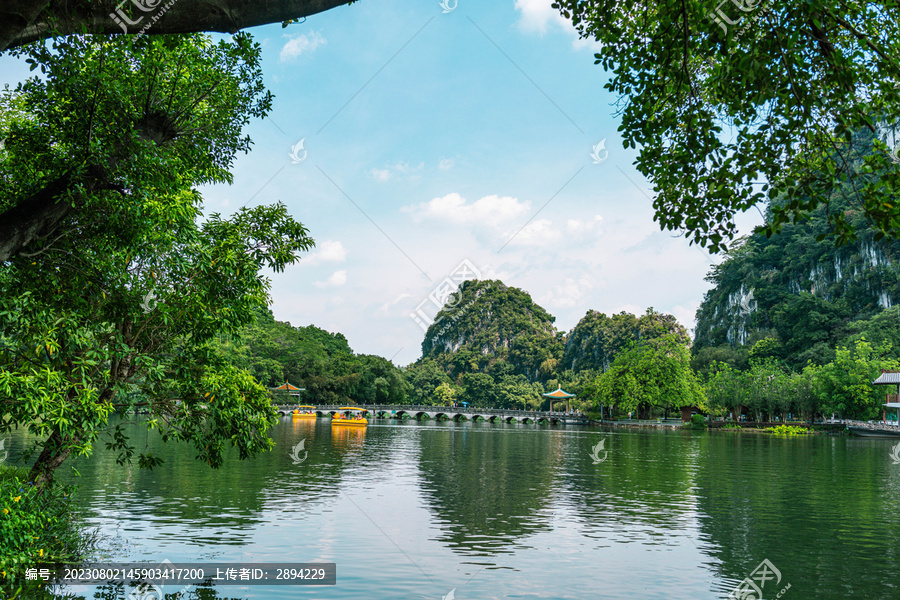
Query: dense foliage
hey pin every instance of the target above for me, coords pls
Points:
(35, 528)
(736, 103)
(597, 339)
(491, 346)
(805, 295)
(488, 322)
(312, 358)
(116, 309)
(768, 389)
(654, 372)
(795, 327)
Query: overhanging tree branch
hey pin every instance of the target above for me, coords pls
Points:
(23, 21)
(41, 214)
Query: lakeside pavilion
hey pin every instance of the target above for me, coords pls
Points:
(559, 394)
(891, 378)
(292, 390)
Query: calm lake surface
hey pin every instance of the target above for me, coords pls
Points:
(415, 510)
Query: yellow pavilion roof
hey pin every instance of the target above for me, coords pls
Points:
(559, 393)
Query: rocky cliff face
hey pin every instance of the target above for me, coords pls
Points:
(760, 277)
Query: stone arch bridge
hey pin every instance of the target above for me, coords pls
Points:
(449, 413)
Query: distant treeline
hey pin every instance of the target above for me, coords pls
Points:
(312, 358)
(792, 328)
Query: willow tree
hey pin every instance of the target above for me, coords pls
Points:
(737, 103)
(114, 308)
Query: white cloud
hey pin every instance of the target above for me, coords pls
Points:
(388, 307)
(537, 233)
(329, 251)
(381, 174)
(538, 14)
(574, 226)
(397, 169)
(490, 210)
(446, 163)
(541, 232)
(634, 309)
(305, 42)
(337, 279)
(570, 293)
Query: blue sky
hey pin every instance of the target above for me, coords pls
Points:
(432, 137)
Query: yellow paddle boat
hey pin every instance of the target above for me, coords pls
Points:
(350, 415)
(305, 412)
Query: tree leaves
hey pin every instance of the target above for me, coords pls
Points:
(116, 311)
(727, 120)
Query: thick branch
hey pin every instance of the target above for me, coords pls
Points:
(42, 214)
(55, 452)
(33, 218)
(23, 21)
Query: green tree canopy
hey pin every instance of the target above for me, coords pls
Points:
(597, 339)
(309, 357)
(110, 127)
(732, 104)
(118, 307)
(652, 373)
(845, 385)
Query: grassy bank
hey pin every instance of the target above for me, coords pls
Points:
(35, 528)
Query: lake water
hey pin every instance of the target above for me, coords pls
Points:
(417, 510)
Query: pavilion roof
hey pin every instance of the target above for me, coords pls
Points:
(888, 378)
(559, 393)
(288, 387)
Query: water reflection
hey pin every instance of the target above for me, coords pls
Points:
(487, 490)
(514, 510)
(348, 438)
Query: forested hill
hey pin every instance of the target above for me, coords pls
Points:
(491, 345)
(807, 296)
(312, 358)
(487, 321)
(597, 339)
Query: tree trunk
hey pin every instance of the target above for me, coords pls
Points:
(23, 21)
(42, 214)
(56, 450)
(33, 218)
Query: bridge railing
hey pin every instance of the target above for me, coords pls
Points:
(447, 409)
